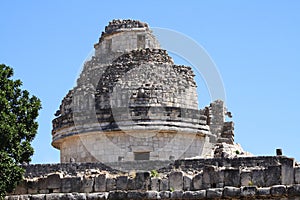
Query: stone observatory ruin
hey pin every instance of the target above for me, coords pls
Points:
(131, 102)
(131, 129)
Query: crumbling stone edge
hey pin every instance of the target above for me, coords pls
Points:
(274, 192)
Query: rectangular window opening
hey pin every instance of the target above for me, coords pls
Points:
(142, 156)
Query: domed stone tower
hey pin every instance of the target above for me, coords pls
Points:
(132, 102)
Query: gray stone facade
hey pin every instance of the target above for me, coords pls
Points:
(269, 177)
(132, 102)
(131, 129)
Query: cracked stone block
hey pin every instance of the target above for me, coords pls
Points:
(297, 175)
(272, 175)
(71, 184)
(294, 190)
(152, 195)
(100, 183)
(232, 177)
(164, 185)
(197, 182)
(164, 194)
(136, 195)
(246, 178)
(155, 184)
(53, 181)
(87, 184)
(214, 192)
(176, 180)
(177, 194)
(110, 184)
(117, 195)
(187, 183)
(131, 184)
(248, 191)
(232, 191)
(121, 182)
(263, 192)
(258, 178)
(278, 190)
(142, 180)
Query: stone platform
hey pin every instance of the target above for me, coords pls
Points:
(268, 177)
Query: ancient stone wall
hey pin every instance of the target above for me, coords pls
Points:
(251, 177)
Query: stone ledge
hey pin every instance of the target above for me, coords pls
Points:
(274, 192)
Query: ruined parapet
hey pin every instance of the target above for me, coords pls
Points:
(269, 177)
(122, 36)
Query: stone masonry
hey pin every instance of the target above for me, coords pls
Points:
(131, 129)
(272, 177)
(132, 102)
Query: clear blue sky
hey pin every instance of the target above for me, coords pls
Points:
(255, 45)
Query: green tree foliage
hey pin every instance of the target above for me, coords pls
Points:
(18, 112)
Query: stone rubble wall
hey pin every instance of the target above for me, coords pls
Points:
(255, 177)
(291, 192)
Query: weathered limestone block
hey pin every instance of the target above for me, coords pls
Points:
(278, 190)
(164, 194)
(287, 170)
(248, 191)
(176, 180)
(232, 177)
(272, 175)
(214, 193)
(32, 186)
(197, 182)
(117, 195)
(297, 175)
(110, 184)
(177, 194)
(87, 184)
(231, 192)
(136, 195)
(200, 194)
(212, 178)
(164, 185)
(121, 182)
(97, 196)
(142, 180)
(258, 178)
(71, 184)
(155, 183)
(100, 183)
(246, 178)
(131, 184)
(152, 195)
(53, 181)
(187, 183)
(293, 190)
(263, 192)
